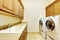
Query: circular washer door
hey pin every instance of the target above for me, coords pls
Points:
(50, 24)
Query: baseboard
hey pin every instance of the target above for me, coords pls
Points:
(33, 32)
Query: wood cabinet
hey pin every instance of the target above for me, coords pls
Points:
(53, 9)
(16, 7)
(21, 11)
(57, 0)
(24, 35)
(57, 8)
(6, 5)
(0, 4)
(12, 7)
(49, 10)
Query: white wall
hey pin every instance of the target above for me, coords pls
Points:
(34, 9)
(4, 19)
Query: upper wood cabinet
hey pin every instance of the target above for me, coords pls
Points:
(57, 0)
(21, 12)
(6, 5)
(49, 10)
(16, 7)
(53, 9)
(57, 8)
(0, 4)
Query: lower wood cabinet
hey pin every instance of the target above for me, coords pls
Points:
(23, 35)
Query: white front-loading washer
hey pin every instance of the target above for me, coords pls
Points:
(42, 28)
(57, 27)
(52, 26)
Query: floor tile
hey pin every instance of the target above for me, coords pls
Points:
(34, 37)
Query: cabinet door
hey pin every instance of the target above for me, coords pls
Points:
(57, 8)
(16, 7)
(0, 4)
(57, 0)
(49, 10)
(21, 12)
(7, 5)
(24, 34)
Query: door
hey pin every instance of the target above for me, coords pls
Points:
(50, 24)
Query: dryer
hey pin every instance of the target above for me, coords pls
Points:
(42, 27)
(52, 24)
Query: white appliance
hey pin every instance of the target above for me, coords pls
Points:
(42, 27)
(53, 29)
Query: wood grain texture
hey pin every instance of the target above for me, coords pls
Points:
(53, 9)
(24, 34)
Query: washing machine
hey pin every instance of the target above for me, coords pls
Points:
(42, 28)
(52, 24)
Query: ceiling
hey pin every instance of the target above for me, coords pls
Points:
(43, 2)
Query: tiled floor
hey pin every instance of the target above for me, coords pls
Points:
(34, 37)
